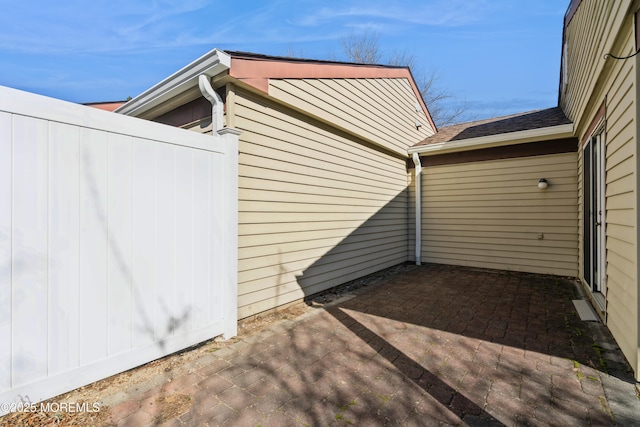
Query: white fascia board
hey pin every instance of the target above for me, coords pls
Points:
(509, 138)
(210, 64)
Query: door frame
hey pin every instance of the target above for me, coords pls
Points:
(594, 214)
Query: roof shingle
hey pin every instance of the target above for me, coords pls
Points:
(499, 125)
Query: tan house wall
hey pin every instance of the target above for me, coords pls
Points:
(490, 214)
(318, 207)
(598, 28)
(322, 197)
(382, 110)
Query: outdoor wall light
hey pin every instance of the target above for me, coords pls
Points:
(542, 184)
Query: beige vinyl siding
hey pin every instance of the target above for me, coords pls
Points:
(318, 207)
(621, 244)
(382, 111)
(490, 213)
(612, 82)
(590, 35)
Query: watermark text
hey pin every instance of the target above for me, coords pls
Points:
(57, 407)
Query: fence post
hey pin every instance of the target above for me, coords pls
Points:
(229, 137)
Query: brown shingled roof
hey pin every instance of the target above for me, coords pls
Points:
(499, 125)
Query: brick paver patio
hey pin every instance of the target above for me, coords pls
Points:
(439, 345)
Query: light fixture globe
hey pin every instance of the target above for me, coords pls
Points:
(542, 184)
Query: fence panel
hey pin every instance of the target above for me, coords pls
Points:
(117, 243)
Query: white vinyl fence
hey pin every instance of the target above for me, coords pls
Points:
(118, 243)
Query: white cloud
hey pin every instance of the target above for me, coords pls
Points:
(132, 26)
(82, 27)
(450, 13)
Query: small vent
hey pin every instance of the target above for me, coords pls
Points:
(585, 311)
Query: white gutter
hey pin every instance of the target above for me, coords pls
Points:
(418, 189)
(509, 138)
(217, 107)
(210, 64)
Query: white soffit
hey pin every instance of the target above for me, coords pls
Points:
(498, 140)
(210, 64)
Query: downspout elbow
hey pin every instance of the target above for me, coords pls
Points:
(418, 199)
(217, 107)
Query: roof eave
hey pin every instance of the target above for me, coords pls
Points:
(211, 64)
(509, 138)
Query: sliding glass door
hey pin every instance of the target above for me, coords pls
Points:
(593, 214)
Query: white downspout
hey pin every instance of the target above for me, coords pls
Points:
(418, 188)
(217, 107)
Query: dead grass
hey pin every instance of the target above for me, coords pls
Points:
(172, 406)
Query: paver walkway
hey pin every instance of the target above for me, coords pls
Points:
(439, 345)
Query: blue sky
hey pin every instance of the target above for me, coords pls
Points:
(500, 56)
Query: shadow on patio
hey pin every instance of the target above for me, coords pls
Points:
(456, 344)
(435, 345)
(489, 345)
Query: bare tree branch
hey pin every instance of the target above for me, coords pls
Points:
(362, 48)
(445, 109)
(402, 58)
